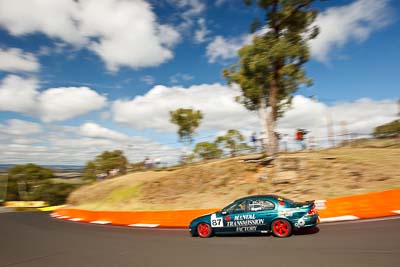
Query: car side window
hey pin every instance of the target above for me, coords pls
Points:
(261, 205)
(237, 207)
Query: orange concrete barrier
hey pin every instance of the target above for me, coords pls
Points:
(170, 219)
(363, 206)
(377, 204)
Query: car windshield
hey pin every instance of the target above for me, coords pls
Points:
(238, 206)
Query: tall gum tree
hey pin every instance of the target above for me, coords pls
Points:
(271, 68)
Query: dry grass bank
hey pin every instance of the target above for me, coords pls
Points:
(322, 174)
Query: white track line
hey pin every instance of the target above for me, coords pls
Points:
(75, 219)
(144, 225)
(101, 222)
(340, 218)
(63, 217)
(364, 220)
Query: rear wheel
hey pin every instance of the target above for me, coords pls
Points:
(204, 230)
(281, 228)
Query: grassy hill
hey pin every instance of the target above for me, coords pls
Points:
(366, 166)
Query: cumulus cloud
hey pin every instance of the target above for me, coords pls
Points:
(221, 48)
(54, 104)
(15, 60)
(24, 141)
(58, 104)
(201, 34)
(76, 145)
(338, 26)
(18, 94)
(152, 110)
(91, 129)
(353, 22)
(191, 9)
(120, 32)
(178, 77)
(20, 127)
(222, 112)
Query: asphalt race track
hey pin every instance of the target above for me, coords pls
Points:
(35, 239)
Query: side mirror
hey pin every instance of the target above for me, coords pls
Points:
(224, 212)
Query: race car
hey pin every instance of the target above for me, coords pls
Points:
(257, 214)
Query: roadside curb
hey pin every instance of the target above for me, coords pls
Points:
(349, 208)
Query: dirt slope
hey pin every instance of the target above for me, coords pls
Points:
(316, 175)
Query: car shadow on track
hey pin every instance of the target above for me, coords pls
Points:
(305, 231)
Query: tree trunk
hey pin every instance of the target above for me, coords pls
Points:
(272, 117)
(264, 124)
(272, 140)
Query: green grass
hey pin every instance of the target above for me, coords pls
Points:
(121, 194)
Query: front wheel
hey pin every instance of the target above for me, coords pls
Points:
(204, 230)
(281, 228)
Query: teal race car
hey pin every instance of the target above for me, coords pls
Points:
(257, 214)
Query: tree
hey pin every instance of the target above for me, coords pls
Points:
(109, 160)
(233, 140)
(25, 180)
(270, 69)
(207, 150)
(89, 172)
(54, 194)
(104, 163)
(32, 182)
(390, 129)
(187, 120)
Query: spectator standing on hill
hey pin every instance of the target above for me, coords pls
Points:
(253, 140)
(148, 163)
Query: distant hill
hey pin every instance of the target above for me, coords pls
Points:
(57, 168)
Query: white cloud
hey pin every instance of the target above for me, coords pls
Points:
(20, 127)
(15, 60)
(152, 110)
(353, 22)
(121, 32)
(338, 26)
(58, 104)
(221, 49)
(190, 9)
(201, 34)
(360, 116)
(54, 104)
(222, 112)
(91, 129)
(53, 18)
(18, 94)
(178, 77)
(23, 142)
(76, 145)
(148, 79)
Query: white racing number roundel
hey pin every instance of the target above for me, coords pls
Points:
(216, 221)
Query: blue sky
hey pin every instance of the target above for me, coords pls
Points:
(77, 78)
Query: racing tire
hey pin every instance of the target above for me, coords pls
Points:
(204, 230)
(281, 228)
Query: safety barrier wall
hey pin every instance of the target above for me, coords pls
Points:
(371, 205)
(377, 204)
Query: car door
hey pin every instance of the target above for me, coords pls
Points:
(266, 211)
(242, 217)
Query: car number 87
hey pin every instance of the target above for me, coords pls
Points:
(216, 222)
